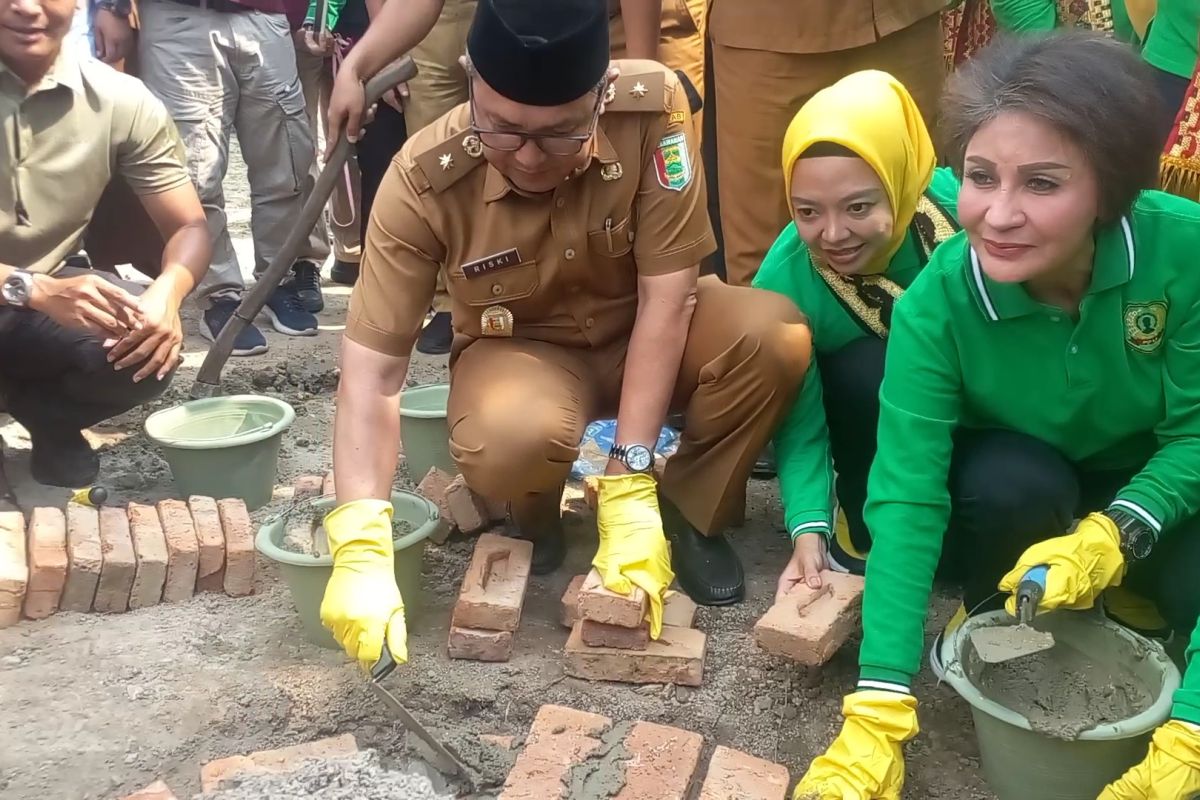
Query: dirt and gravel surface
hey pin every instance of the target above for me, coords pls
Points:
(96, 706)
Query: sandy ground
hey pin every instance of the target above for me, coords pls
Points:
(97, 706)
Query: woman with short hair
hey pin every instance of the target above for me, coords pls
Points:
(1044, 367)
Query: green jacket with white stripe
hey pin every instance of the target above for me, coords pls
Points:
(1119, 389)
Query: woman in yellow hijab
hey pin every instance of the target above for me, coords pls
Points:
(868, 207)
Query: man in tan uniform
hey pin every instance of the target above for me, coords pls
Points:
(674, 36)
(570, 243)
(77, 346)
(769, 57)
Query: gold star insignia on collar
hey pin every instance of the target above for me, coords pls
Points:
(638, 90)
(446, 160)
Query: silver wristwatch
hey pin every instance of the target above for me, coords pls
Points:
(17, 288)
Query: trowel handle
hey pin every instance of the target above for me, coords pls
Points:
(1030, 592)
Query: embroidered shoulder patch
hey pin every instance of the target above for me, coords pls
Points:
(1145, 324)
(671, 162)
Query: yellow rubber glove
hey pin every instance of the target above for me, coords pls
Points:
(1082, 565)
(866, 760)
(362, 604)
(633, 550)
(1170, 771)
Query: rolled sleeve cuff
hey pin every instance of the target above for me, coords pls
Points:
(677, 258)
(882, 679)
(389, 343)
(809, 523)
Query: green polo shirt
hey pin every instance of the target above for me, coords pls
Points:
(1120, 388)
(1174, 37)
(1042, 15)
(802, 442)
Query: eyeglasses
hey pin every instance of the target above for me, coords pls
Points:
(552, 144)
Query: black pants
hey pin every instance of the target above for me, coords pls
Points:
(376, 147)
(1171, 91)
(58, 378)
(1007, 491)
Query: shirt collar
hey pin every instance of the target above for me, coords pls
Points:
(496, 186)
(65, 71)
(1112, 266)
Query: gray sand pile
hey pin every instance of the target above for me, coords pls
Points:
(356, 777)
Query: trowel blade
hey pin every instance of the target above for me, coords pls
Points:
(447, 760)
(1006, 642)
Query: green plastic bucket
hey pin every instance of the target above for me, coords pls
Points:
(1022, 764)
(423, 430)
(306, 576)
(223, 446)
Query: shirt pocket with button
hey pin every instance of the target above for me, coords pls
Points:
(505, 285)
(613, 240)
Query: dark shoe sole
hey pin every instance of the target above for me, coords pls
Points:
(284, 329)
(708, 596)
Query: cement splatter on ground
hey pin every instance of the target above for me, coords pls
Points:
(353, 777)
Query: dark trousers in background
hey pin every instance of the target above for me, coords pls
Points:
(1171, 91)
(1008, 491)
(376, 148)
(58, 378)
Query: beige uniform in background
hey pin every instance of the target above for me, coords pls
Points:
(769, 57)
(545, 292)
(59, 152)
(681, 40)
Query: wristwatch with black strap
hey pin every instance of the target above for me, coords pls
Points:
(636, 457)
(1137, 538)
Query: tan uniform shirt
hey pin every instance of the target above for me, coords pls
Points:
(60, 144)
(813, 26)
(563, 265)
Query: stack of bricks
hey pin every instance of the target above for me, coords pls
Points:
(610, 639)
(488, 611)
(809, 625)
(460, 508)
(113, 560)
(570, 753)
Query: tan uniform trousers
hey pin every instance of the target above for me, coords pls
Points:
(680, 45)
(518, 408)
(758, 92)
(316, 78)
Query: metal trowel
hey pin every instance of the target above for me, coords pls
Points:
(1005, 642)
(443, 759)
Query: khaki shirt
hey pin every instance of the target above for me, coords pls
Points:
(563, 264)
(60, 144)
(813, 26)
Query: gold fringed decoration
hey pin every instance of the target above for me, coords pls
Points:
(1179, 169)
(1096, 15)
(967, 28)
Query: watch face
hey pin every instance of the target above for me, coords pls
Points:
(639, 458)
(15, 291)
(1140, 544)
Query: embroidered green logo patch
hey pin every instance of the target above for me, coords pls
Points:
(671, 162)
(1145, 324)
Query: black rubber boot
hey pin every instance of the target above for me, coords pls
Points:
(344, 273)
(63, 458)
(764, 466)
(706, 567)
(437, 336)
(538, 519)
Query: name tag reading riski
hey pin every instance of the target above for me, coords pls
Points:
(482, 266)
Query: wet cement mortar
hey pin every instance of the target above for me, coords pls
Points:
(353, 777)
(97, 706)
(1064, 691)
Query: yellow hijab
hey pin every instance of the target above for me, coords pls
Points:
(873, 115)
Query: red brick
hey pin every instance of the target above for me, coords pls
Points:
(476, 645)
(569, 612)
(493, 590)
(150, 550)
(307, 488)
(84, 558)
(809, 625)
(239, 547)
(283, 760)
(210, 570)
(658, 761)
(601, 605)
(47, 562)
(597, 634)
(120, 564)
(559, 738)
(734, 775)
(679, 610)
(183, 550)
(155, 791)
(467, 509)
(329, 487)
(14, 570)
(664, 760)
(677, 657)
(433, 488)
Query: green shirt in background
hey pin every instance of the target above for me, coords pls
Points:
(1120, 388)
(802, 442)
(1174, 37)
(1042, 15)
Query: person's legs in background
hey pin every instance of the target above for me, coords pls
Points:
(440, 85)
(378, 144)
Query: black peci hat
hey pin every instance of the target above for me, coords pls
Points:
(540, 52)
